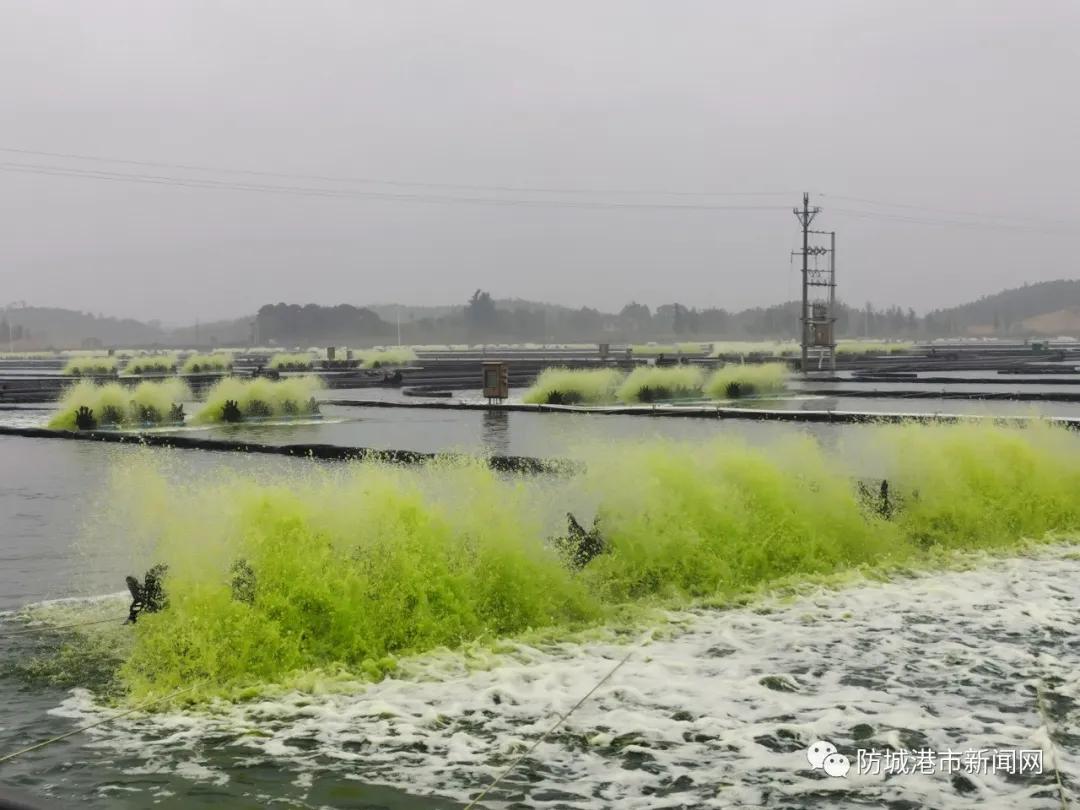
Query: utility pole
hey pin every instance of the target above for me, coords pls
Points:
(832, 300)
(805, 217)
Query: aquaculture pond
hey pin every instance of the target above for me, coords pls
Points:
(402, 634)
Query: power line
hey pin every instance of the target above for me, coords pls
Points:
(997, 222)
(948, 211)
(312, 191)
(386, 182)
(954, 223)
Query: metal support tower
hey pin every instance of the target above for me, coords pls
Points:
(821, 317)
(805, 216)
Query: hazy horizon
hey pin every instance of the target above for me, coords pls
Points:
(636, 114)
(390, 305)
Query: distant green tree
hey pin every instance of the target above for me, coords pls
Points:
(292, 324)
(679, 323)
(636, 318)
(585, 323)
(481, 315)
(713, 322)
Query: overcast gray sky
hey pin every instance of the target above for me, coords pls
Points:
(965, 106)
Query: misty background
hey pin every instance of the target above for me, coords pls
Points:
(650, 122)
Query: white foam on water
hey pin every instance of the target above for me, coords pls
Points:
(717, 715)
(65, 611)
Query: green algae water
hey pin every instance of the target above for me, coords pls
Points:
(152, 364)
(747, 379)
(115, 405)
(565, 386)
(302, 361)
(652, 383)
(258, 397)
(568, 386)
(93, 365)
(207, 363)
(380, 358)
(346, 569)
(415, 704)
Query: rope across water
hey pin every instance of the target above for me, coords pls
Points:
(562, 719)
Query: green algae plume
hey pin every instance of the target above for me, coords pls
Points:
(759, 348)
(151, 364)
(302, 361)
(972, 486)
(378, 358)
(348, 569)
(745, 379)
(655, 350)
(207, 363)
(570, 386)
(90, 366)
(655, 383)
(874, 346)
(115, 405)
(344, 569)
(725, 519)
(258, 398)
(564, 386)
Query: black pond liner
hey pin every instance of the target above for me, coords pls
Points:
(326, 452)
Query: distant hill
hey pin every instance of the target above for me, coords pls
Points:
(235, 333)
(43, 327)
(1046, 308)
(35, 328)
(1062, 322)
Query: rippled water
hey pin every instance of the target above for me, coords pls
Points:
(715, 709)
(514, 433)
(550, 434)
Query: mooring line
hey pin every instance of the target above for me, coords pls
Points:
(45, 627)
(103, 721)
(562, 718)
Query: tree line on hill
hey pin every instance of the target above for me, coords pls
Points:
(1021, 312)
(483, 318)
(1005, 314)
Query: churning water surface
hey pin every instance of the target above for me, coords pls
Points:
(713, 707)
